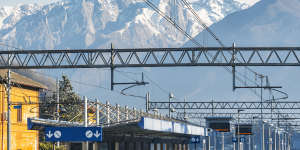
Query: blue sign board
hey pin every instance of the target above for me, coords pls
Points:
(17, 106)
(235, 140)
(242, 139)
(195, 139)
(73, 134)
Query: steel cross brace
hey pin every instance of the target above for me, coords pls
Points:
(150, 57)
(226, 105)
(249, 116)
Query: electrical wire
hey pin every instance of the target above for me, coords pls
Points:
(169, 19)
(6, 45)
(194, 41)
(222, 45)
(132, 95)
(101, 87)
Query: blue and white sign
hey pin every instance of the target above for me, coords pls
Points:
(195, 139)
(234, 139)
(73, 134)
(242, 139)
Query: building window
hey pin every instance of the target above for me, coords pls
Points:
(19, 114)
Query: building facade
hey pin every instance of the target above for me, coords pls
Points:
(24, 104)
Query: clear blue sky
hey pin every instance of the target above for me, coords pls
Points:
(16, 2)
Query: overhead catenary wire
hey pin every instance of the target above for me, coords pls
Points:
(222, 45)
(151, 81)
(96, 86)
(169, 19)
(185, 33)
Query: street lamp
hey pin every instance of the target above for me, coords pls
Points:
(239, 144)
(171, 95)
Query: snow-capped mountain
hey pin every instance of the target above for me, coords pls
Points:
(96, 23)
(267, 23)
(4, 12)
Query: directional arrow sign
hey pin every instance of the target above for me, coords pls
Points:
(234, 139)
(49, 134)
(73, 134)
(242, 139)
(195, 139)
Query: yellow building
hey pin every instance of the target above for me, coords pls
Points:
(23, 92)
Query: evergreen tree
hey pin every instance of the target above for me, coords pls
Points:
(71, 104)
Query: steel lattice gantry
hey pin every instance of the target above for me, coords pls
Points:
(247, 116)
(162, 57)
(289, 105)
(150, 57)
(282, 111)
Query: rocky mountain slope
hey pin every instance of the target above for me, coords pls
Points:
(268, 23)
(96, 23)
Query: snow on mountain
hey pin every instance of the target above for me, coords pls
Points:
(4, 12)
(9, 16)
(95, 24)
(267, 23)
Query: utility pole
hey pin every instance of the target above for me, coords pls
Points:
(96, 144)
(252, 136)
(112, 67)
(57, 101)
(238, 133)
(215, 140)
(185, 117)
(203, 145)
(263, 135)
(261, 111)
(147, 101)
(270, 138)
(209, 139)
(85, 145)
(234, 135)
(279, 140)
(97, 112)
(171, 95)
(249, 144)
(8, 109)
(223, 141)
(261, 96)
(275, 139)
(238, 130)
(233, 66)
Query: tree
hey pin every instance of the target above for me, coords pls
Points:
(69, 102)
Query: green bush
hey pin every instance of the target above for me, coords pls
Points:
(49, 146)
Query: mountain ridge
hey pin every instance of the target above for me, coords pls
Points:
(95, 24)
(264, 24)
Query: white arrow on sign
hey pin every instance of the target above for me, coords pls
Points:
(97, 134)
(49, 134)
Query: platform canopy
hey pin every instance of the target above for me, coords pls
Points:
(154, 130)
(144, 129)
